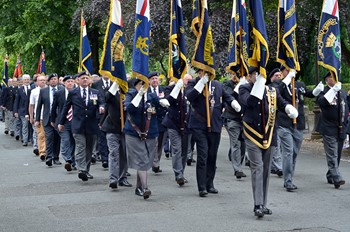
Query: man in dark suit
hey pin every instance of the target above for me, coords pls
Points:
(332, 125)
(161, 112)
(21, 107)
(7, 105)
(102, 85)
(207, 139)
(67, 140)
(87, 104)
(45, 100)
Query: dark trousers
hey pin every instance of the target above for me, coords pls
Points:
(207, 147)
(53, 142)
(102, 146)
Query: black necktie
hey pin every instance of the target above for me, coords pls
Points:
(154, 90)
(84, 95)
(107, 84)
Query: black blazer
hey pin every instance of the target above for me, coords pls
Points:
(44, 100)
(112, 120)
(85, 117)
(59, 100)
(22, 102)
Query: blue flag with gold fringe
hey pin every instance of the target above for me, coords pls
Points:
(177, 43)
(328, 39)
(142, 41)
(203, 57)
(287, 54)
(85, 49)
(259, 50)
(239, 39)
(112, 60)
(5, 77)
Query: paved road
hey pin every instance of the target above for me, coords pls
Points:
(36, 198)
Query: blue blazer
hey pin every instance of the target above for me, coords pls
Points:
(161, 111)
(85, 117)
(59, 100)
(22, 102)
(198, 118)
(136, 114)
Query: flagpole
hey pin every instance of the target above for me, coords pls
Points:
(293, 100)
(81, 42)
(121, 98)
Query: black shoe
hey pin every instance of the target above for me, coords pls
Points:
(49, 162)
(146, 193)
(189, 162)
(167, 155)
(43, 157)
(259, 211)
(24, 144)
(180, 181)
(128, 174)
(6, 132)
(156, 169)
(57, 162)
(138, 191)
(266, 211)
(93, 160)
(17, 137)
(82, 175)
(290, 187)
(338, 183)
(12, 133)
(193, 161)
(279, 173)
(36, 152)
(273, 171)
(330, 181)
(125, 183)
(68, 167)
(105, 164)
(113, 185)
(247, 163)
(213, 190)
(239, 175)
(89, 176)
(203, 193)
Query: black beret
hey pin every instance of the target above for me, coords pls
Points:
(67, 77)
(152, 74)
(75, 76)
(273, 72)
(136, 81)
(253, 69)
(52, 75)
(327, 75)
(83, 73)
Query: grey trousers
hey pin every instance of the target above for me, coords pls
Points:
(25, 135)
(9, 120)
(17, 127)
(260, 166)
(234, 129)
(117, 162)
(160, 142)
(178, 151)
(330, 144)
(35, 137)
(291, 140)
(276, 156)
(83, 150)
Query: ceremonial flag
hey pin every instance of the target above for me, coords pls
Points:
(259, 51)
(203, 57)
(177, 44)
(239, 39)
(112, 63)
(5, 76)
(18, 69)
(287, 54)
(42, 63)
(328, 39)
(142, 41)
(85, 60)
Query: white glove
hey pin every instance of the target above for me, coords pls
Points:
(201, 83)
(176, 90)
(332, 92)
(291, 111)
(242, 81)
(236, 106)
(259, 87)
(319, 88)
(137, 99)
(164, 103)
(289, 77)
(114, 88)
